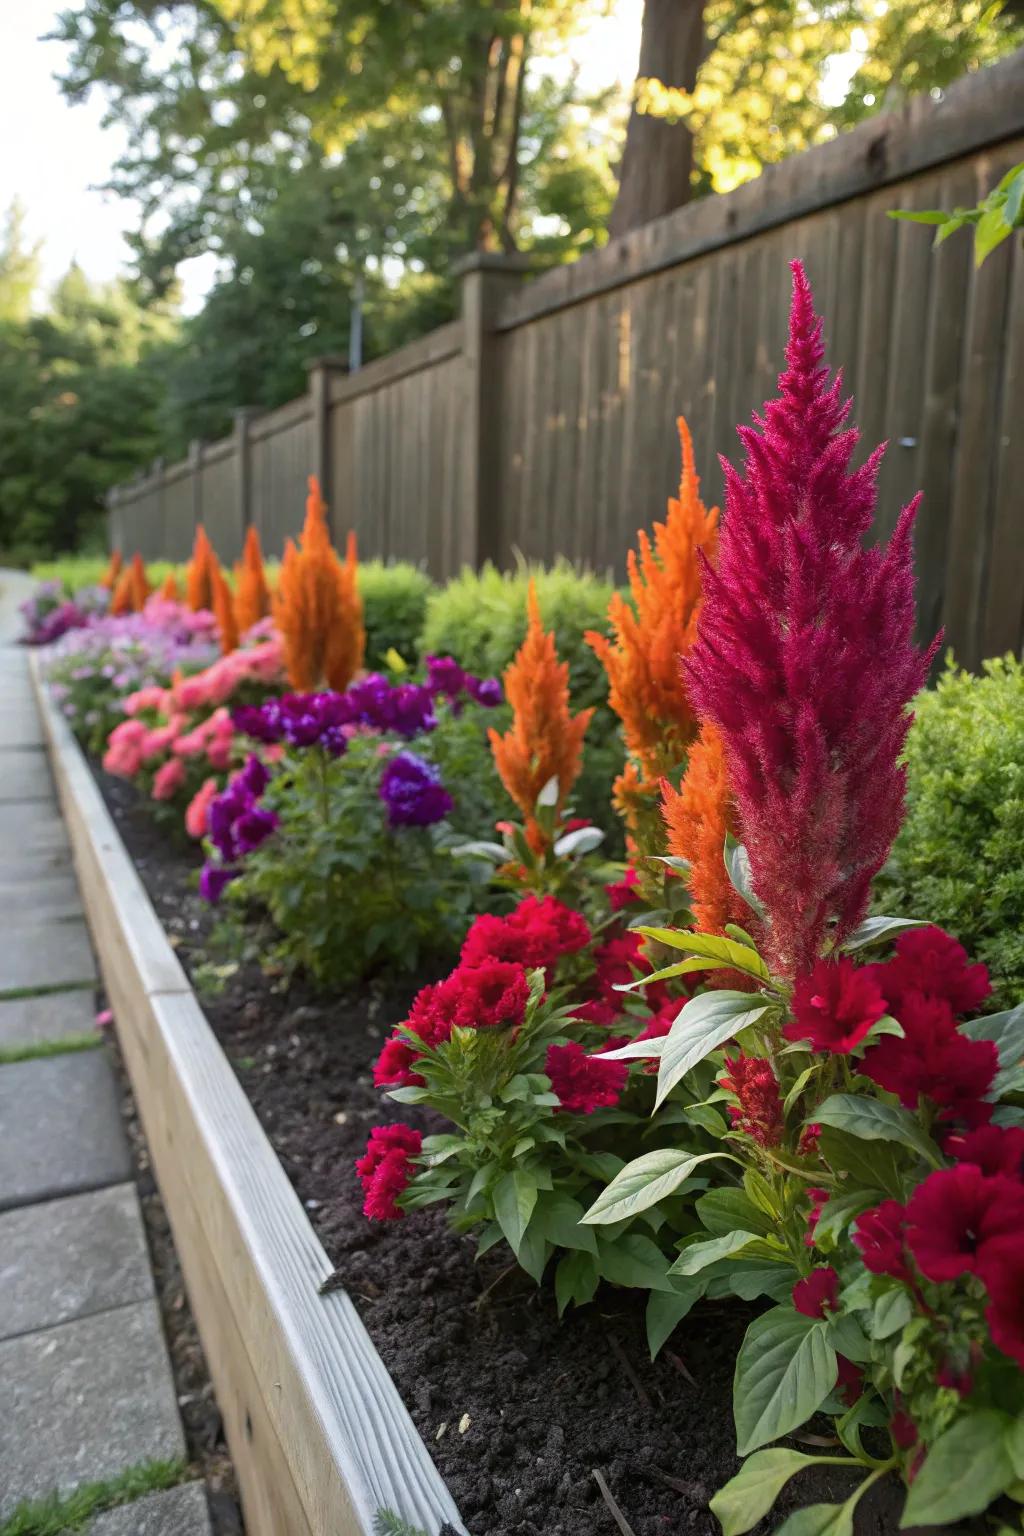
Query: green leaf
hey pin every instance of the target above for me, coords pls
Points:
(750, 1280)
(991, 230)
(633, 1260)
(737, 867)
(1006, 1031)
(893, 1311)
(574, 844)
(699, 1255)
(965, 1469)
(873, 1120)
(533, 1252)
(705, 1023)
(874, 929)
(560, 1218)
(872, 1164)
(798, 1087)
(1013, 184)
(837, 1214)
(515, 1196)
(480, 849)
(728, 1210)
(919, 215)
(819, 1520)
(711, 948)
(665, 1309)
(635, 1050)
(643, 1182)
(785, 1370)
(749, 1496)
(1015, 1445)
(576, 1280)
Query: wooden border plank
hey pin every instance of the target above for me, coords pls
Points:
(320, 1437)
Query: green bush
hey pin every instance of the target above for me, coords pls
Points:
(77, 571)
(480, 619)
(394, 608)
(959, 860)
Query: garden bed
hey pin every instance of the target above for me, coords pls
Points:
(538, 1428)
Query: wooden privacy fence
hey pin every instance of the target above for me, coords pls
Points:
(542, 419)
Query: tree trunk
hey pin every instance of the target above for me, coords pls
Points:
(654, 177)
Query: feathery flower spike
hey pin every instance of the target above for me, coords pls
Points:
(317, 605)
(252, 594)
(199, 574)
(805, 659)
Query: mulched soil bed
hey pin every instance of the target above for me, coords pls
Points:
(524, 1416)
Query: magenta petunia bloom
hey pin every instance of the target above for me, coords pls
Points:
(834, 1006)
(955, 1216)
(930, 961)
(879, 1234)
(817, 1294)
(805, 658)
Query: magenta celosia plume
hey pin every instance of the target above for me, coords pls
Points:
(805, 658)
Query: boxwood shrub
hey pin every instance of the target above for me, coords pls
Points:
(394, 608)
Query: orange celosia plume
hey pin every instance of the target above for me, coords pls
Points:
(317, 606)
(169, 590)
(252, 594)
(113, 571)
(132, 589)
(697, 817)
(224, 610)
(199, 578)
(545, 741)
(642, 658)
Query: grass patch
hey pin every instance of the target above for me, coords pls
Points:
(62, 1045)
(48, 989)
(69, 1512)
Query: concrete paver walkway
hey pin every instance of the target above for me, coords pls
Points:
(87, 1387)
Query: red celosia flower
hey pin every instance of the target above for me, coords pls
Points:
(385, 1169)
(835, 1006)
(536, 934)
(992, 1148)
(930, 961)
(818, 1198)
(584, 1083)
(879, 1234)
(903, 1430)
(933, 1059)
(489, 994)
(624, 892)
(817, 1293)
(1002, 1270)
(955, 1214)
(394, 1066)
(805, 659)
(808, 1143)
(759, 1113)
(850, 1380)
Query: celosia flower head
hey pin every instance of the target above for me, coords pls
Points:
(642, 660)
(132, 589)
(805, 658)
(252, 594)
(697, 817)
(224, 611)
(169, 588)
(545, 740)
(317, 605)
(113, 570)
(199, 590)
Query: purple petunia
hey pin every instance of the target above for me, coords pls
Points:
(412, 790)
(213, 880)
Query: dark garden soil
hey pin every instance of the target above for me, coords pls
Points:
(539, 1427)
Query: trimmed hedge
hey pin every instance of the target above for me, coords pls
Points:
(959, 860)
(394, 609)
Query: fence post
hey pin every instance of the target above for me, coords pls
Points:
(158, 522)
(195, 470)
(320, 371)
(485, 278)
(242, 417)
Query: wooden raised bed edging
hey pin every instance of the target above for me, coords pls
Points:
(322, 1443)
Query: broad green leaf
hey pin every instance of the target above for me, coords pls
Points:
(737, 867)
(665, 1309)
(991, 230)
(952, 224)
(667, 972)
(965, 1469)
(635, 1050)
(749, 1496)
(874, 929)
(1015, 1445)
(633, 1260)
(1006, 1031)
(515, 1196)
(574, 844)
(699, 1255)
(819, 1520)
(560, 1218)
(872, 1164)
(798, 1087)
(533, 1252)
(750, 1280)
(729, 1210)
(837, 1214)
(576, 1280)
(785, 1370)
(873, 1120)
(705, 1023)
(480, 849)
(438, 1149)
(643, 1182)
(712, 948)
(919, 215)
(892, 1313)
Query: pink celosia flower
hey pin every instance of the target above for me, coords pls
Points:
(805, 658)
(169, 779)
(199, 808)
(153, 697)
